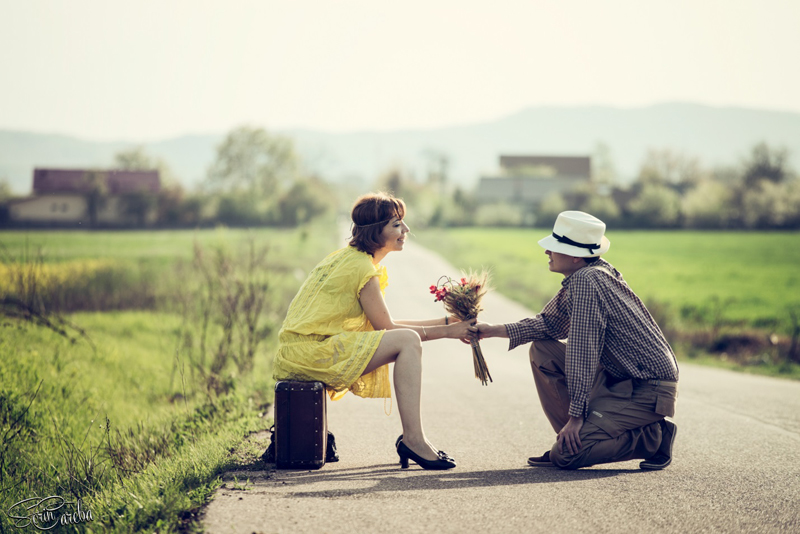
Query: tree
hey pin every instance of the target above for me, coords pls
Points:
(591, 197)
(500, 214)
(665, 166)
(5, 194)
(171, 206)
(134, 159)
(604, 171)
(766, 163)
(139, 204)
(603, 207)
(251, 160)
(137, 159)
(5, 190)
(656, 206)
(708, 205)
(465, 205)
(96, 187)
(305, 200)
(770, 204)
(241, 209)
(438, 163)
(401, 183)
(549, 209)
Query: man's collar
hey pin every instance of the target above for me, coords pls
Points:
(598, 263)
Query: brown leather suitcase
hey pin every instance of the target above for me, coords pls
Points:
(300, 425)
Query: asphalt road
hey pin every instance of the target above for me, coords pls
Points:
(736, 465)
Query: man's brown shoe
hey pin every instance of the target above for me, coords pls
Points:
(663, 457)
(540, 461)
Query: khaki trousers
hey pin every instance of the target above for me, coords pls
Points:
(623, 414)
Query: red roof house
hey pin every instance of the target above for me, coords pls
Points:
(47, 181)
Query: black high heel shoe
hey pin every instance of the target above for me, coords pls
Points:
(406, 454)
(442, 454)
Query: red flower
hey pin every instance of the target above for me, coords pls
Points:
(440, 293)
(463, 281)
(433, 289)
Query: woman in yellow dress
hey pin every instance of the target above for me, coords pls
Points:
(339, 331)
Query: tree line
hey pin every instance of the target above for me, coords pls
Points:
(258, 179)
(671, 190)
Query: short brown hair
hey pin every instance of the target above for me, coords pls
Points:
(370, 213)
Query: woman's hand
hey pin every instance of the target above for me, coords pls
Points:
(459, 330)
(480, 331)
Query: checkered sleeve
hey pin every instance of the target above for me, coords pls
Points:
(587, 333)
(552, 323)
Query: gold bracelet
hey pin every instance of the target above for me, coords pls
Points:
(425, 334)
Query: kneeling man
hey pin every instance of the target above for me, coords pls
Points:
(605, 374)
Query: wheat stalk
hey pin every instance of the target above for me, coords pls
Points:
(463, 300)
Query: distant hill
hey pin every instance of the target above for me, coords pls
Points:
(716, 135)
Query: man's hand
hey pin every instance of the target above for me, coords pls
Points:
(483, 330)
(569, 437)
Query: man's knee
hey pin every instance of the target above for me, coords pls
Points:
(565, 460)
(546, 350)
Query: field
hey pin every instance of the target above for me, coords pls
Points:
(133, 403)
(718, 282)
(135, 410)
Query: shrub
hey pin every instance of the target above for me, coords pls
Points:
(708, 205)
(656, 206)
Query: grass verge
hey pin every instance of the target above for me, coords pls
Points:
(125, 419)
(733, 296)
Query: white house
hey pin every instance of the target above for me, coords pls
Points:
(531, 179)
(80, 197)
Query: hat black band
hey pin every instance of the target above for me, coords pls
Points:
(568, 241)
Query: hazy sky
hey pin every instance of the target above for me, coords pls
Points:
(146, 70)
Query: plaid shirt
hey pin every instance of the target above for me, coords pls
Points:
(598, 312)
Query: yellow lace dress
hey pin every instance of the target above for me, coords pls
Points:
(326, 335)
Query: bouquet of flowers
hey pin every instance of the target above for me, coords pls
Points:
(463, 300)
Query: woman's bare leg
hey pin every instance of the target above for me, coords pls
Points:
(404, 348)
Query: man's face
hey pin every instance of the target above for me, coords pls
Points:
(561, 263)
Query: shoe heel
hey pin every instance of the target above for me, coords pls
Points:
(406, 454)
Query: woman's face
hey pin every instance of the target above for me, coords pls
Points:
(394, 235)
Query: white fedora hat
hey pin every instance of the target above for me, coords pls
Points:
(577, 234)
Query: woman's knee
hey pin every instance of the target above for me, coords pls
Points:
(406, 339)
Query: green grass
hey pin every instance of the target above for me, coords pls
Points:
(169, 491)
(163, 248)
(138, 269)
(67, 409)
(765, 367)
(749, 278)
(706, 289)
(133, 382)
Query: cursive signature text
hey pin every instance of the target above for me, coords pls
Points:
(45, 513)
